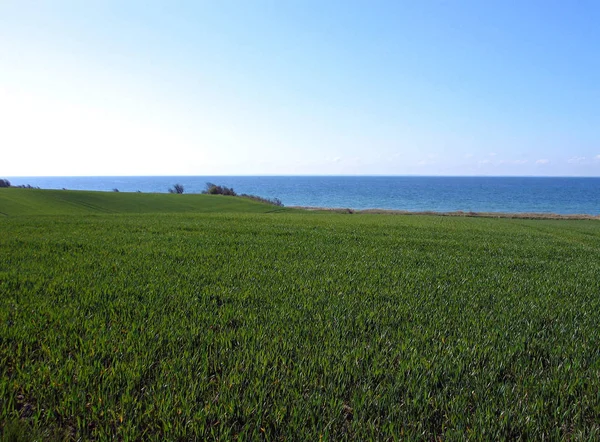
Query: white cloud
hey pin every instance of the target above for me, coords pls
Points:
(576, 160)
(469, 155)
(543, 161)
(512, 162)
(493, 154)
(597, 157)
(430, 160)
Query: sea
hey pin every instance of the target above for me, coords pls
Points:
(563, 195)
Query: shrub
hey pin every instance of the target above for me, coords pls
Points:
(4, 183)
(177, 188)
(213, 189)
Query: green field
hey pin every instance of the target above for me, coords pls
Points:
(60, 202)
(188, 317)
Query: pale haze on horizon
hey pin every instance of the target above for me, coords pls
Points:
(300, 88)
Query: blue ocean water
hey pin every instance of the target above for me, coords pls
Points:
(414, 193)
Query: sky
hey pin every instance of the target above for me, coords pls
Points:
(299, 87)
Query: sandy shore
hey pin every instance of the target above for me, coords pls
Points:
(457, 213)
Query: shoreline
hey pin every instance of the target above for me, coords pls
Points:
(458, 213)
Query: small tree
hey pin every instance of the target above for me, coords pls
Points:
(115, 190)
(177, 188)
(4, 183)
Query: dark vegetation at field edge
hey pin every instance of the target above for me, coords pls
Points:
(213, 189)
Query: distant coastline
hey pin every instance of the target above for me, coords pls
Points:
(458, 213)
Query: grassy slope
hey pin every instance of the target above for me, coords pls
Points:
(296, 325)
(15, 202)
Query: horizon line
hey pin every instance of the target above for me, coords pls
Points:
(304, 175)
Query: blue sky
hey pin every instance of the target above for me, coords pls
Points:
(300, 87)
